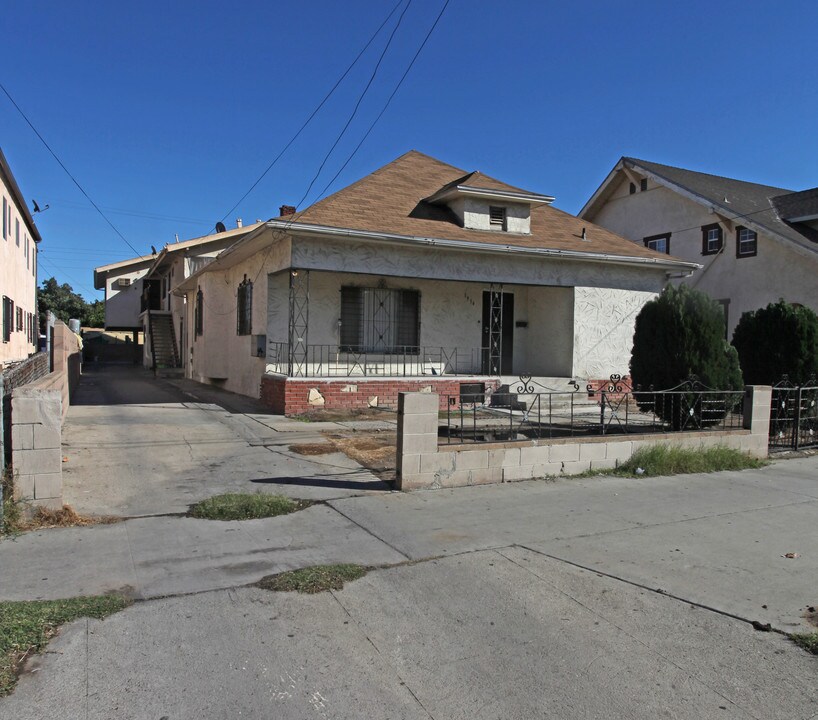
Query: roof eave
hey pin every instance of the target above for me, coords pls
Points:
(486, 247)
(489, 194)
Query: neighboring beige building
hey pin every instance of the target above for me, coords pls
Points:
(420, 275)
(757, 243)
(138, 299)
(18, 272)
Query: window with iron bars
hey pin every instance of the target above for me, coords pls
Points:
(244, 308)
(198, 315)
(380, 320)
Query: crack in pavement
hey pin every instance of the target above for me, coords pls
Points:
(645, 645)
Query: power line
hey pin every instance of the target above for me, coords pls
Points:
(388, 101)
(358, 103)
(314, 112)
(40, 261)
(67, 172)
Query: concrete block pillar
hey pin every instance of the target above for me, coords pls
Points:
(36, 420)
(417, 436)
(757, 407)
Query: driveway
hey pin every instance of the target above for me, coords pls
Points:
(135, 445)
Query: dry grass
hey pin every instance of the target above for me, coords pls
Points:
(66, 516)
(313, 449)
(375, 450)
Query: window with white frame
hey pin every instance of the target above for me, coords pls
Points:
(380, 320)
(659, 243)
(712, 239)
(746, 242)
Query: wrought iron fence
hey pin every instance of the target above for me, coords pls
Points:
(613, 409)
(794, 415)
(400, 361)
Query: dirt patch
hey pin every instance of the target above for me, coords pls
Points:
(376, 450)
(313, 449)
(811, 615)
(341, 415)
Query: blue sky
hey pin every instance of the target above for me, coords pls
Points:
(167, 112)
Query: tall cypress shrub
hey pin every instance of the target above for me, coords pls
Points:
(678, 335)
(780, 339)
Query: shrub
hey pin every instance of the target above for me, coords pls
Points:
(780, 339)
(680, 335)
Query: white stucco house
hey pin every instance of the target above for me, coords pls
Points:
(757, 243)
(418, 276)
(19, 239)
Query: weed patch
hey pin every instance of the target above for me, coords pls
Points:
(27, 626)
(318, 578)
(245, 506)
(673, 460)
(807, 641)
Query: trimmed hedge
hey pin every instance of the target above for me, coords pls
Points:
(780, 339)
(679, 335)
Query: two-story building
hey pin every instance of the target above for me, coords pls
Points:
(757, 243)
(18, 272)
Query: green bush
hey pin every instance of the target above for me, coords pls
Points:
(780, 339)
(680, 335)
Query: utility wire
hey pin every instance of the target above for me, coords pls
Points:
(40, 261)
(357, 104)
(386, 105)
(67, 172)
(314, 112)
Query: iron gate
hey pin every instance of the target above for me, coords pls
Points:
(794, 416)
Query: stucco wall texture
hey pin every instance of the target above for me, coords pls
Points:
(778, 270)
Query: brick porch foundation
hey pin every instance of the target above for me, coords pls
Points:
(291, 396)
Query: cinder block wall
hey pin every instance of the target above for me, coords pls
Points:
(422, 463)
(36, 451)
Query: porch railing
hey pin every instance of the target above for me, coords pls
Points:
(609, 411)
(401, 361)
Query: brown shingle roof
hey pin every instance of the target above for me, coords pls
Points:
(391, 200)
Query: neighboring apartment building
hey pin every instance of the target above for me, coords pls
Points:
(138, 299)
(757, 243)
(18, 271)
(420, 275)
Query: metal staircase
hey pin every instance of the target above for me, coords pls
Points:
(163, 340)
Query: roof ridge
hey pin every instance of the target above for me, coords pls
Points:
(699, 172)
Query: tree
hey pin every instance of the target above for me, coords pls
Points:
(680, 335)
(66, 304)
(780, 339)
(61, 300)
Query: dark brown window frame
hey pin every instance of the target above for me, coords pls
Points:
(740, 254)
(660, 236)
(705, 230)
(354, 323)
(198, 315)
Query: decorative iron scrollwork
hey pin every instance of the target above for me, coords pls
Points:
(525, 386)
(574, 384)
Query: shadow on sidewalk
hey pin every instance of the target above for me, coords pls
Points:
(374, 485)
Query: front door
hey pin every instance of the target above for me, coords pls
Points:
(498, 333)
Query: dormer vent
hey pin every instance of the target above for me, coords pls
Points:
(497, 217)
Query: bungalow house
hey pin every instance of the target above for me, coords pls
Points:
(418, 276)
(19, 238)
(757, 243)
(138, 299)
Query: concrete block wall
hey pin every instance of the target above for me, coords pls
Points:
(36, 440)
(422, 463)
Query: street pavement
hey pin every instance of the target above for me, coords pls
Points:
(578, 598)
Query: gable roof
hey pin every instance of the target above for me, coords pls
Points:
(751, 204)
(392, 201)
(150, 261)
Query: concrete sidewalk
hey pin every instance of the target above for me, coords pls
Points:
(718, 540)
(153, 557)
(493, 634)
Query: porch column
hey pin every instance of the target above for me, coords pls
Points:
(496, 330)
(299, 322)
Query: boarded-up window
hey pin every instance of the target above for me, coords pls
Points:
(380, 320)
